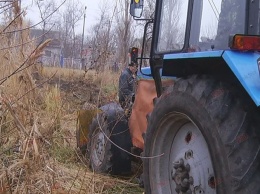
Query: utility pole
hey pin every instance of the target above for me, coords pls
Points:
(82, 41)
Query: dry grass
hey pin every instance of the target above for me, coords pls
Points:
(64, 73)
(37, 132)
(106, 81)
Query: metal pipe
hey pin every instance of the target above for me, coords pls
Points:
(82, 41)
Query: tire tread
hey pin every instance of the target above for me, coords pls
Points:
(237, 121)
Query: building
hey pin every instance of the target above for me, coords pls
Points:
(53, 52)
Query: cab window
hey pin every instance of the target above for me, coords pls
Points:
(173, 21)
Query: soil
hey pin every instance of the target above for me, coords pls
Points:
(77, 92)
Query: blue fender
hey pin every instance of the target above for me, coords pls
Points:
(145, 74)
(244, 66)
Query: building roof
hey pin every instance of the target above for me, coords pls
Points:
(44, 35)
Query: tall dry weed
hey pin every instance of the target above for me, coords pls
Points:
(37, 141)
(20, 138)
(108, 82)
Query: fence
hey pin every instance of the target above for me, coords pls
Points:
(55, 61)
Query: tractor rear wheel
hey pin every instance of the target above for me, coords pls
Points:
(202, 138)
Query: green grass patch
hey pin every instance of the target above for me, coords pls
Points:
(63, 154)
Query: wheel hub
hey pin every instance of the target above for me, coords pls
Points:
(186, 167)
(191, 163)
(180, 174)
(99, 148)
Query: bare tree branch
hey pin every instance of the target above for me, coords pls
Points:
(30, 41)
(11, 22)
(35, 53)
(32, 26)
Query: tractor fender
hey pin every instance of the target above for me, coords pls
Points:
(226, 65)
(245, 66)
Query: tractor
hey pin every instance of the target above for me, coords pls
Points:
(111, 137)
(203, 132)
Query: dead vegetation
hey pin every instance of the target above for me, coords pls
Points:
(38, 119)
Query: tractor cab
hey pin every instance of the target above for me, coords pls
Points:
(197, 25)
(200, 31)
(203, 132)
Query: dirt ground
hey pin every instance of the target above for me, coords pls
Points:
(76, 92)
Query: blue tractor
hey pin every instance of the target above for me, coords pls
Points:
(203, 133)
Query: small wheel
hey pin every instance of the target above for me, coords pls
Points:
(105, 136)
(99, 147)
(209, 141)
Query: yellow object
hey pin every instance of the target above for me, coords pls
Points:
(84, 120)
(137, 1)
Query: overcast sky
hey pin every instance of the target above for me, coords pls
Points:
(92, 12)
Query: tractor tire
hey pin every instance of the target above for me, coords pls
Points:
(102, 152)
(202, 137)
(99, 149)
